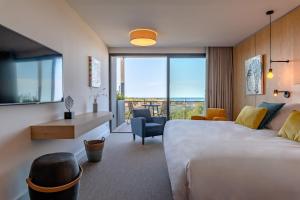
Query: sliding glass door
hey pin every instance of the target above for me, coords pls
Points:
(187, 86)
(169, 85)
(145, 84)
(137, 82)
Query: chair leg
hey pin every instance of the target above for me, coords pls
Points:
(143, 140)
(133, 137)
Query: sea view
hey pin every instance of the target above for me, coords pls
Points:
(143, 82)
(164, 99)
(187, 99)
(180, 108)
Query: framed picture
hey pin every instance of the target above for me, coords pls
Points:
(94, 72)
(254, 76)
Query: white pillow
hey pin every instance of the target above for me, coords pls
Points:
(278, 121)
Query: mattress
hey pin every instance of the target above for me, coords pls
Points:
(218, 160)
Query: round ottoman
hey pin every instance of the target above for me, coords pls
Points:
(54, 176)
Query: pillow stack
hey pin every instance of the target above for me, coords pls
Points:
(287, 122)
(291, 127)
(273, 108)
(251, 116)
(258, 117)
(275, 116)
(282, 115)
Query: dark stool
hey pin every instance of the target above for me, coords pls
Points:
(54, 176)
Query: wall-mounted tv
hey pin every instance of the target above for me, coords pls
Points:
(29, 71)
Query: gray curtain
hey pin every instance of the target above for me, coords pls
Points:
(220, 78)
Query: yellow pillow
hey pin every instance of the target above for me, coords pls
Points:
(291, 127)
(251, 116)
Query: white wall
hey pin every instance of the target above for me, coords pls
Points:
(56, 25)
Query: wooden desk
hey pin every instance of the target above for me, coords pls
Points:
(70, 128)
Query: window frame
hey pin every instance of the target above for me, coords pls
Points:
(168, 56)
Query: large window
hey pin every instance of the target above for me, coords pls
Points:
(145, 77)
(187, 87)
(169, 85)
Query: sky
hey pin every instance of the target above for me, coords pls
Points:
(146, 77)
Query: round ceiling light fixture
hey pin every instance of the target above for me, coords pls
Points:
(143, 37)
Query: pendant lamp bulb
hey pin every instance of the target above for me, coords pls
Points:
(270, 74)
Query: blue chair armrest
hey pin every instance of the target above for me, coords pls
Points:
(138, 126)
(159, 120)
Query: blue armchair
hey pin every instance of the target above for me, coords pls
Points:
(143, 125)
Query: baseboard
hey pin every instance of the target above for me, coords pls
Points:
(23, 196)
(80, 155)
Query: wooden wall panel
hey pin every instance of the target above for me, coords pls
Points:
(294, 22)
(285, 45)
(242, 52)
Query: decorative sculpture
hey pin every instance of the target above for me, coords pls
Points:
(69, 102)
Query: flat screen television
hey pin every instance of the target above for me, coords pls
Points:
(30, 73)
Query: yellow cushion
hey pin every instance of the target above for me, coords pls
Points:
(219, 118)
(198, 117)
(251, 116)
(291, 127)
(215, 112)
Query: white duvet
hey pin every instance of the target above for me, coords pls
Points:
(214, 160)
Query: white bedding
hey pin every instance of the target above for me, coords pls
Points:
(214, 160)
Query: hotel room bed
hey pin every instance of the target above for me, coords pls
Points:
(220, 160)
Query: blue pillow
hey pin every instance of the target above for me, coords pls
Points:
(273, 108)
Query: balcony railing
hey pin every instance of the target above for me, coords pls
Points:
(182, 108)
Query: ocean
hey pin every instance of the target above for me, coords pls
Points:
(187, 99)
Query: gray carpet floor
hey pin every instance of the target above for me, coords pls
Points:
(128, 171)
(123, 128)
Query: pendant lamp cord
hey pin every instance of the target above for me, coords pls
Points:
(270, 41)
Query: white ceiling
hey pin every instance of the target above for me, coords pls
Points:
(180, 23)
